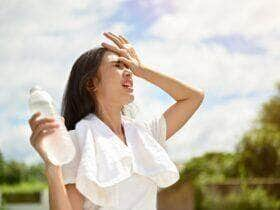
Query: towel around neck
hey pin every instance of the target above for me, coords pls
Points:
(106, 160)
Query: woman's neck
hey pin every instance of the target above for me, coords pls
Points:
(111, 116)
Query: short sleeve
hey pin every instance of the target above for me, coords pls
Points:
(69, 170)
(157, 127)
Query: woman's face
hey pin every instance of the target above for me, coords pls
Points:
(113, 74)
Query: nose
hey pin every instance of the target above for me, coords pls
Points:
(128, 72)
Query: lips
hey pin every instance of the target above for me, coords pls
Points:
(128, 83)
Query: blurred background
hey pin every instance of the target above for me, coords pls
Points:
(228, 153)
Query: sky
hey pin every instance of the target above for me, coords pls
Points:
(229, 49)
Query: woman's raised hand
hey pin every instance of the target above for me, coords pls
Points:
(126, 52)
(40, 129)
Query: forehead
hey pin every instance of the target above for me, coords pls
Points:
(110, 57)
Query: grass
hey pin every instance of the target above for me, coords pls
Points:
(24, 187)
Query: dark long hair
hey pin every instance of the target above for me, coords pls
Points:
(77, 102)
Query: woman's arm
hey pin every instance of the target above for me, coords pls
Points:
(58, 198)
(188, 98)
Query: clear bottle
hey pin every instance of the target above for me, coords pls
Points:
(58, 145)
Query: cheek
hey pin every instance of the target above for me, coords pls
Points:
(115, 75)
(112, 81)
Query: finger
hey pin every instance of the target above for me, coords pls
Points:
(44, 128)
(33, 117)
(114, 38)
(126, 61)
(115, 49)
(36, 134)
(31, 138)
(123, 39)
(44, 121)
(42, 134)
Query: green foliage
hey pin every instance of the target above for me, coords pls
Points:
(3, 205)
(256, 155)
(247, 199)
(36, 173)
(212, 166)
(270, 113)
(23, 187)
(13, 172)
(259, 148)
(259, 152)
(2, 162)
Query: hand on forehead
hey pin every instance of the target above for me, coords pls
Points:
(112, 57)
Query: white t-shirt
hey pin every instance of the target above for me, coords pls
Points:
(115, 176)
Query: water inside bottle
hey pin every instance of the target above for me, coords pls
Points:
(44, 108)
(58, 145)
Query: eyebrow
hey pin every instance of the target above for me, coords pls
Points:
(115, 61)
(118, 61)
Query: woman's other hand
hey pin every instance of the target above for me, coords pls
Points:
(41, 128)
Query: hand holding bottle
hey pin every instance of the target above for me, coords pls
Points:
(41, 128)
(58, 146)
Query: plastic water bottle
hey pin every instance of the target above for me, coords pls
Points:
(58, 145)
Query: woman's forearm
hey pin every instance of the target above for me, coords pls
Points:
(58, 198)
(176, 89)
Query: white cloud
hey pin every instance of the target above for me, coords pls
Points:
(194, 20)
(212, 68)
(216, 129)
(177, 51)
(39, 42)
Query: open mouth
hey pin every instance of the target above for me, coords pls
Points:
(128, 85)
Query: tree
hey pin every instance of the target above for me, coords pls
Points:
(2, 163)
(259, 148)
(270, 113)
(210, 165)
(259, 152)
(13, 172)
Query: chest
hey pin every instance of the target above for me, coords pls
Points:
(144, 193)
(122, 137)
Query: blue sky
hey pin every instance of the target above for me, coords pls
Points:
(236, 43)
(231, 55)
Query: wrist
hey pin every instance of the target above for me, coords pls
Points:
(52, 170)
(140, 72)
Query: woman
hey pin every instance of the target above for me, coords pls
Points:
(119, 163)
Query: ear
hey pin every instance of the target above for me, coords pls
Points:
(91, 85)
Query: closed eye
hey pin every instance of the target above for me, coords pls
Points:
(119, 63)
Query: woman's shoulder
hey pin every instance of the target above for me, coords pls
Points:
(74, 138)
(72, 134)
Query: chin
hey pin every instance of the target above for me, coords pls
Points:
(131, 99)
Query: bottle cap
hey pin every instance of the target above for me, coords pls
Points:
(36, 87)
